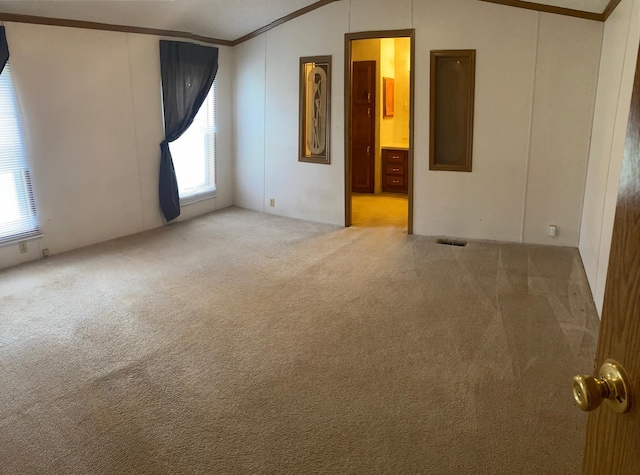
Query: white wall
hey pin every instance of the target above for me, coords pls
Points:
(565, 88)
(249, 97)
(303, 190)
(536, 82)
(92, 106)
(617, 71)
(487, 203)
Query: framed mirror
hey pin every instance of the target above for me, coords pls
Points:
(315, 109)
(453, 75)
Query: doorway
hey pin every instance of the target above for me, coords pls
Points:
(379, 110)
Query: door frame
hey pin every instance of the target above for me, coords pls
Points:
(373, 35)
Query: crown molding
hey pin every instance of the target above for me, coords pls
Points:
(550, 9)
(38, 20)
(90, 25)
(284, 19)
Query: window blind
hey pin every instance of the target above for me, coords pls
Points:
(214, 132)
(194, 153)
(18, 218)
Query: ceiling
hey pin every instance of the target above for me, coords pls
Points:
(222, 19)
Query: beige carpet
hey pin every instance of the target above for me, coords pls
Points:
(245, 343)
(384, 209)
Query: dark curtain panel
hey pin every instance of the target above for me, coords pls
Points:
(4, 49)
(187, 72)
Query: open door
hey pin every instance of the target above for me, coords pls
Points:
(360, 127)
(613, 438)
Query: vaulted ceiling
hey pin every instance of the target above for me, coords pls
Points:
(222, 19)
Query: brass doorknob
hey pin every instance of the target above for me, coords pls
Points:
(612, 385)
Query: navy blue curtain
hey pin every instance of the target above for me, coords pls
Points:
(4, 49)
(187, 72)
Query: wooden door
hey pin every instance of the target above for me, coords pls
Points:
(363, 126)
(613, 440)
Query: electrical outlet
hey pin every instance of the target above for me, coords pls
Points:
(553, 230)
(23, 247)
(272, 202)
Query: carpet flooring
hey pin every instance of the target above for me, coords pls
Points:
(381, 210)
(243, 343)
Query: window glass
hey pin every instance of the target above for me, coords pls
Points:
(194, 152)
(18, 219)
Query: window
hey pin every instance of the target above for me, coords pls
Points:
(194, 154)
(18, 219)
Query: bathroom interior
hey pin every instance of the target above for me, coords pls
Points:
(380, 130)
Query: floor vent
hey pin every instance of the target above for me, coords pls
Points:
(451, 242)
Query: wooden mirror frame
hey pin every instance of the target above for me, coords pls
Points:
(305, 154)
(464, 163)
